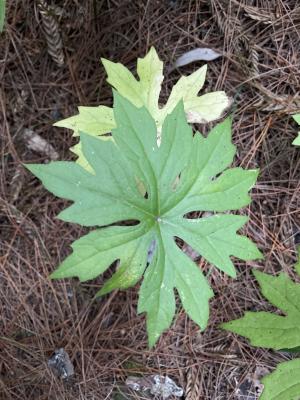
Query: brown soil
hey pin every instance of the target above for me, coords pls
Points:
(106, 339)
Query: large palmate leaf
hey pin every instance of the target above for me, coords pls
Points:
(268, 329)
(182, 174)
(277, 332)
(145, 92)
(296, 142)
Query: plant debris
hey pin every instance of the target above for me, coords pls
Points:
(36, 143)
(61, 364)
(162, 386)
(251, 387)
(51, 32)
(201, 54)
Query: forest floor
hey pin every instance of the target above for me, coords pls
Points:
(106, 339)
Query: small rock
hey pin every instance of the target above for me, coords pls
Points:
(36, 143)
(157, 385)
(61, 364)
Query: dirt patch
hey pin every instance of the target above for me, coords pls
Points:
(106, 340)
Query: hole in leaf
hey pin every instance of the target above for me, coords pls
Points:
(194, 215)
(129, 222)
(187, 249)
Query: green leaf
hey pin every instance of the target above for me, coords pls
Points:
(277, 332)
(283, 383)
(206, 108)
(2, 14)
(215, 239)
(156, 296)
(267, 329)
(96, 251)
(296, 142)
(145, 92)
(177, 176)
(92, 120)
(82, 161)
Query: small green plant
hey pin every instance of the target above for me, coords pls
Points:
(145, 92)
(157, 186)
(277, 332)
(153, 172)
(296, 142)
